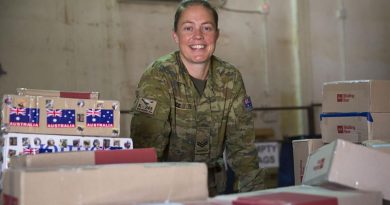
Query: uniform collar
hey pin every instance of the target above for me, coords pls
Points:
(185, 76)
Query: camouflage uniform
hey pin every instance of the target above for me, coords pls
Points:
(171, 116)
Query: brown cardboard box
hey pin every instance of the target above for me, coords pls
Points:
(345, 163)
(355, 127)
(55, 115)
(84, 158)
(337, 196)
(301, 151)
(356, 96)
(58, 93)
(106, 184)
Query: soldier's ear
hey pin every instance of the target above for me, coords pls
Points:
(175, 37)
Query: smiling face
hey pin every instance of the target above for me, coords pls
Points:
(196, 35)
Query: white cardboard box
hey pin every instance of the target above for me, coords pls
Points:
(381, 146)
(106, 184)
(355, 127)
(301, 151)
(345, 163)
(342, 196)
(356, 96)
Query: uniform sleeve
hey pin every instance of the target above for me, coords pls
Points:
(240, 148)
(149, 124)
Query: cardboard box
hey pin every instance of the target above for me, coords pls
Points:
(15, 144)
(356, 96)
(303, 195)
(58, 93)
(355, 127)
(84, 158)
(284, 198)
(301, 151)
(106, 184)
(64, 116)
(345, 163)
(378, 145)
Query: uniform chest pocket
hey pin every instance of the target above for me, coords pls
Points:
(185, 115)
(218, 114)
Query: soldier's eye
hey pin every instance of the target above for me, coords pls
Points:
(208, 28)
(187, 28)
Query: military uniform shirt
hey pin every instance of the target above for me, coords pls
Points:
(171, 116)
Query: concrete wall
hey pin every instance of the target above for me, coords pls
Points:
(284, 55)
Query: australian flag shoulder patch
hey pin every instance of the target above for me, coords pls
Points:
(248, 103)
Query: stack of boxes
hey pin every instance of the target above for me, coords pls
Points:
(356, 111)
(349, 164)
(67, 144)
(48, 121)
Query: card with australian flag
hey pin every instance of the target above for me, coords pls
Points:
(61, 118)
(100, 118)
(23, 117)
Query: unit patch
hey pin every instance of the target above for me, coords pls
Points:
(248, 103)
(146, 106)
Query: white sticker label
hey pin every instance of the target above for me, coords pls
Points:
(268, 153)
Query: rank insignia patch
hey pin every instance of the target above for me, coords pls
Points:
(248, 103)
(146, 106)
